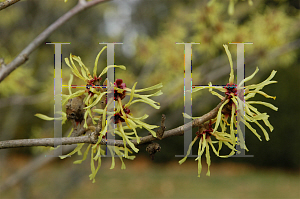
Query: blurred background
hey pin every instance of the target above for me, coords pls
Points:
(149, 30)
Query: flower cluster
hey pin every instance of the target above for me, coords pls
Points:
(235, 110)
(88, 106)
(123, 114)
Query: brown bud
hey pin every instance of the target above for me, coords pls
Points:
(152, 149)
(74, 108)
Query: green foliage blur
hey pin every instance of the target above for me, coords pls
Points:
(149, 30)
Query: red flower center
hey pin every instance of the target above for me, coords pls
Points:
(230, 88)
(119, 84)
(207, 132)
(117, 117)
(91, 83)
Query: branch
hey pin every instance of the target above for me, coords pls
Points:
(23, 56)
(7, 3)
(43, 142)
(160, 132)
(91, 139)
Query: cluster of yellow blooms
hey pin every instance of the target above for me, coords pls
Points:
(92, 96)
(233, 109)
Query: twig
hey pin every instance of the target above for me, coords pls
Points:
(43, 142)
(7, 3)
(160, 132)
(23, 56)
(154, 147)
(90, 139)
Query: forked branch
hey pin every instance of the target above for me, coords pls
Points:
(5, 70)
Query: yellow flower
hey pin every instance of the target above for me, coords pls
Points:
(91, 95)
(236, 107)
(122, 114)
(205, 133)
(234, 102)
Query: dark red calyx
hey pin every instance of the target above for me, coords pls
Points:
(117, 116)
(207, 132)
(119, 84)
(230, 88)
(91, 84)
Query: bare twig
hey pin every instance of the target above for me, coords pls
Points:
(90, 139)
(7, 3)
(23, 56)
(160, 132)
(154, 147)
(43, 142)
